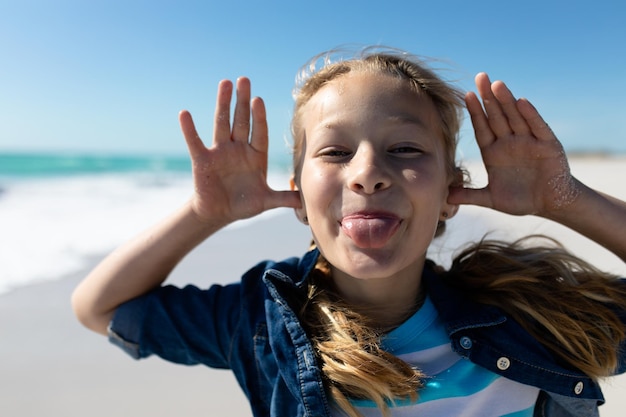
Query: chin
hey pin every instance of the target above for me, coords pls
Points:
(368, 265)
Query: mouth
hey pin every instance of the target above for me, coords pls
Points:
(370, 230)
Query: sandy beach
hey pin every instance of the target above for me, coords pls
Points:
(51, 366)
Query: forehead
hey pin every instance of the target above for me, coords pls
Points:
(364, 97)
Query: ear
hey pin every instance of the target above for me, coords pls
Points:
(448, 211)
(300, 212)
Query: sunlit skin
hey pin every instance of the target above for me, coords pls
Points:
(519, 150)
(374, 185)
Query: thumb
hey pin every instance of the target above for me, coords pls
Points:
(290, 199)
(194, 143)
(471, 196)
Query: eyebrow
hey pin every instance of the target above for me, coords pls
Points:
(403, 118)
(408, 119)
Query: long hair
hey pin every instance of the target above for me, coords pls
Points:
(563, 302)
(353, 363)
(347, 345)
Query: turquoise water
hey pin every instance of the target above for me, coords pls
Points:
(58, 211)
(40, 164)
(32, 165)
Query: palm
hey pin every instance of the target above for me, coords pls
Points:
(526, 166)
(230, 177)
(522, 173)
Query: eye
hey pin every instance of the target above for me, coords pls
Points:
(406, 150)
(334, 153)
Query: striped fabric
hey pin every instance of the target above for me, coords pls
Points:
(455, 387)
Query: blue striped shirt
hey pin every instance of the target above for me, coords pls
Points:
(454, 387)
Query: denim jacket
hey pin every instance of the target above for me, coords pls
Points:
(252, 328)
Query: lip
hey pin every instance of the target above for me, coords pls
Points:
(370, 215)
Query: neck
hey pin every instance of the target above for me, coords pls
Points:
(387, 302)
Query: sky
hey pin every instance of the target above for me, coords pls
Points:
(97, 76)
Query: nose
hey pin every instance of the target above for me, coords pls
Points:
(368, 173)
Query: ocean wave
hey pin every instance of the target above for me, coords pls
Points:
(54, 226)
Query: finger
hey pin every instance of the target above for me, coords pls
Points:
(290, 199)
(194, 143)
(482, 130)
(537, 125)
(241, 120)
(474, 196)
(495, 115)
(508, 104)
(221, 127)
(259, 137)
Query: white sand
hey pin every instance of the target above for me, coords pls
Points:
(51, 366)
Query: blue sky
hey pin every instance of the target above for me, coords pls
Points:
(111, 76)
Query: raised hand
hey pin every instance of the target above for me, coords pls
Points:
(527, 169)
(230, 177)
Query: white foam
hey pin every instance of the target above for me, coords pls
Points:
(50, 228)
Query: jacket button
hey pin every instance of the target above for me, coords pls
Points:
(503, 363)
(466, 343)
(578, 389)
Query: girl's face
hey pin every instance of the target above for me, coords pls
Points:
(373, 177)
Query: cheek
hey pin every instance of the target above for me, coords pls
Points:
(321, 193)
(425, 178)
(429, 189)
(316, 181)
(308, 193)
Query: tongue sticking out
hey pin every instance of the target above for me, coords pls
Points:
(368, 231)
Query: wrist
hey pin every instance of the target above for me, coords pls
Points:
(569, 203)
(565, 190)
(204, 220)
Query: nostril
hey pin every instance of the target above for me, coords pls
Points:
(378, 186)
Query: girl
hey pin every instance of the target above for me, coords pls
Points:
(363, 324)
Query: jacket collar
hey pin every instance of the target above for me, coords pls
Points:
(456, 310)
(293, 272)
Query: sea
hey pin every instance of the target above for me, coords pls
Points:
(60, 211)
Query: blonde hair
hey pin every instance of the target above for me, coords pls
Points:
(422, 80)
(562, 301)
(565, 303)
(353, 363)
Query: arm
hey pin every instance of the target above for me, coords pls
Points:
(528, 172)
(229, 184)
